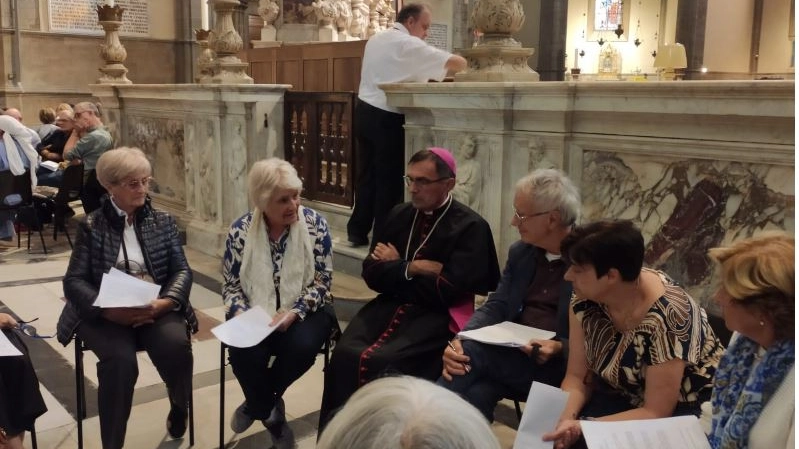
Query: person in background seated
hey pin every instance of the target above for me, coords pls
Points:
(47, 118)
(94, 142)
(16, 155)
(21, 401)
(53, 146)
(639, 346)
(17, 115)
(532, 292)
(753, 402)
(406, 412)
(279, 257)
(127, 233)
(433, 255)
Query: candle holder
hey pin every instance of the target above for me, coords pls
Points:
(112, 51)
(228, 68)
(205, 60)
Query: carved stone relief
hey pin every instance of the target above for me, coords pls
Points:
(469, 179)
(161, 139)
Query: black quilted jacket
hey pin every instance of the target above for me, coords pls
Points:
(97, 245)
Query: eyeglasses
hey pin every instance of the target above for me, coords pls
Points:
(422, 182)
(521, 218)
(29, 330)
(134, 184)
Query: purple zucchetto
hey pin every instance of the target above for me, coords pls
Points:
(445, 156)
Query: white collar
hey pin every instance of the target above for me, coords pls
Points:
(400, 27)
(120, 212)
(550, 257)
(430, 212)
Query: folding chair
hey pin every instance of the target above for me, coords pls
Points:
(80, 393)
(330, 343)
(16, 190)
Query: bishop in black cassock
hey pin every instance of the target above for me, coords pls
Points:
(433, 255)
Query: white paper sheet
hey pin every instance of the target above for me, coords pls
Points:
(6, 348)
(247, 329)
(506, 334)
(679, 432)
(50, 165)
(541, 412)
(119, 289)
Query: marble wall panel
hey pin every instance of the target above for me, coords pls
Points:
(686, 206)
(161, 139)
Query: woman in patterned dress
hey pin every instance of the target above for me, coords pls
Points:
(278, 256)
(639, 347)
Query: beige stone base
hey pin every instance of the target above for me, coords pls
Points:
(497, 63)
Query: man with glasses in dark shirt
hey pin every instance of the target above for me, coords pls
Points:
(532, 292)
(427, 263)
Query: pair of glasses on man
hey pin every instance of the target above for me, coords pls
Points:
(521, 217)
(28, 330)
(134, 184)
(422, 182)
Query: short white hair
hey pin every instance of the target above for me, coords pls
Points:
(551, 189)
(407, 413)
(267, 175)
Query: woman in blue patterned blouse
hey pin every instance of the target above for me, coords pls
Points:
(278, 256)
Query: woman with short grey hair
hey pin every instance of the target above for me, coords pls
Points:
(407, 412)
(127, 233)
(278, 257)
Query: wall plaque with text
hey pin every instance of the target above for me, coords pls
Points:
(80, 17)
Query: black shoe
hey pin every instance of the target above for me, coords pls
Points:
(357, 241)
(176, 422)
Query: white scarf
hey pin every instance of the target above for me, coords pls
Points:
(15, 132)
(256, 271)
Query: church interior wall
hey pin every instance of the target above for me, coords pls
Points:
(728, 35)
(775, 41)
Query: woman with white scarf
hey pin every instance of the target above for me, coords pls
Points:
(16, 155)
(278, 256)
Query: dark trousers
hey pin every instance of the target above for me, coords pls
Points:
(499, 372)
(294, 352)
(381, 165)
(168, 345)
(47, 177)
(92, 192)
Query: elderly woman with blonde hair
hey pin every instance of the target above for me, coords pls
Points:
(753, 398)
(127, 233)
(278, 257)
(406, 412)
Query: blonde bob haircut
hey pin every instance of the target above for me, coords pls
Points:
(407, 413)
(758, 273)
(115, 165)
(266, 176)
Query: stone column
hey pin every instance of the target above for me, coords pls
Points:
(552, 40)
(228, 68)
(499, 57)
(691, 19)
(112, 51)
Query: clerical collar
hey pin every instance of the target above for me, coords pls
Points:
(400, 27)
(443, 203)
(550, 257)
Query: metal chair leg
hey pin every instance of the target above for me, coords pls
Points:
(222, 395)
(80, 393)
(34, 444)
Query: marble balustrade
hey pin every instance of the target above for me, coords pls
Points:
(694, 164)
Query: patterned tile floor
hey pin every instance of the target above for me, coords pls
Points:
(30, 286)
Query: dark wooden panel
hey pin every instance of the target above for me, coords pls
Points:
(288, 72)
(321, 66)
(263, 72)
(346, 74)
(315, 75)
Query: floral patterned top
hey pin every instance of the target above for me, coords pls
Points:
(674, 327)
(312, 297)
